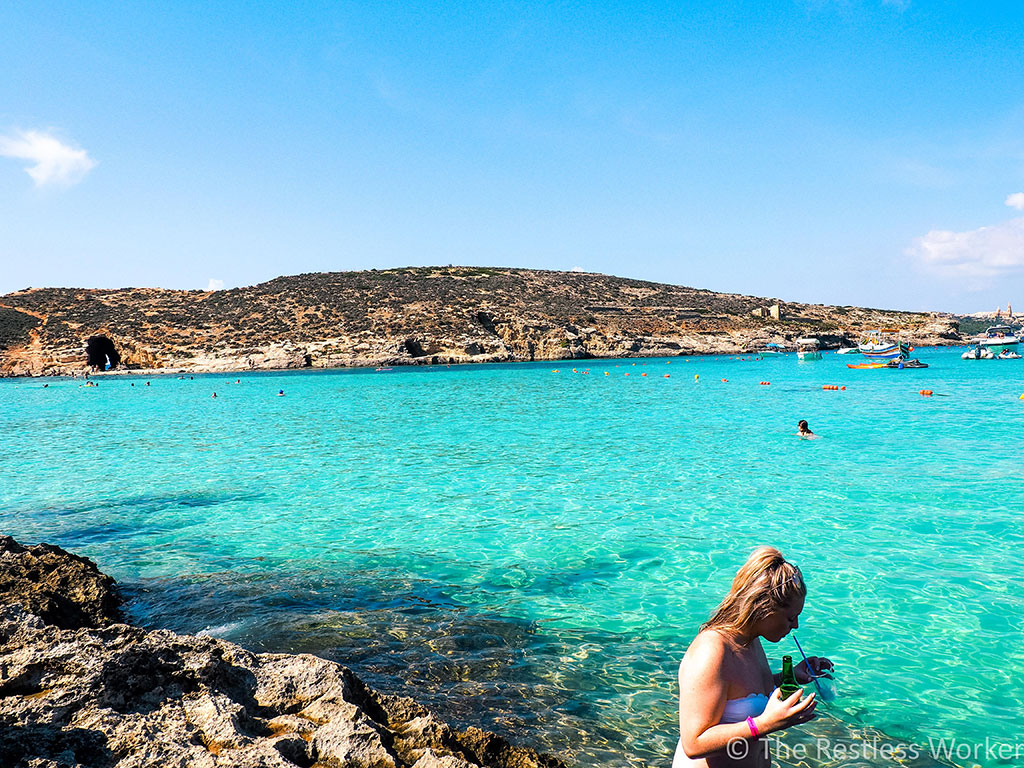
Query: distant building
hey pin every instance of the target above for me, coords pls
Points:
(774, 312)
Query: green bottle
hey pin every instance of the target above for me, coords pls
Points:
(788, 686)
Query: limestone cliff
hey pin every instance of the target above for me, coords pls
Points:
(425, 315)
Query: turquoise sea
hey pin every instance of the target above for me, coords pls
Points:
(531, 551)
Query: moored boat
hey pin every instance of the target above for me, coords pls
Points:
(808, 348)
(880, 345)
(999, 338)
(771, 349)
(978, 353)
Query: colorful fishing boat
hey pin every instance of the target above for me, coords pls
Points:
(880, 345)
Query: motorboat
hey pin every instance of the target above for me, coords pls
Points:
(999, 338)
(808, 348)
(847, 351)
(880, 345)
(978, 353)
(900, 363)
(1007, 354)
(771, 349)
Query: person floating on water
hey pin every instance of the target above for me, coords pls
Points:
(214, 394)
(729, 699)
(280, 393)
(803, 429)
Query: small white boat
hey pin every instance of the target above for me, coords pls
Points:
(978, 353)
(1007, 354)
(848, 351)
(771, 349)
(808, 348)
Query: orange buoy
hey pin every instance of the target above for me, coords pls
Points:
(606, 373)
(667, 376)
(843, 387)
(725, 380)
(927, 392)
(643, 374)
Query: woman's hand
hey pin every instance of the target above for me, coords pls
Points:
(783, 713)
(820, 667)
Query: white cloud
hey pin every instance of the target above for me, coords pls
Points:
(56, 164)
(977, 255)
(1016, 200)
(215, 285)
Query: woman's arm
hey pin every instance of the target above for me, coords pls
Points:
(702, 696)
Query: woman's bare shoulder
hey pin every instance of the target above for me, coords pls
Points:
(707, 649)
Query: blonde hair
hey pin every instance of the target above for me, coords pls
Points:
(765, 583)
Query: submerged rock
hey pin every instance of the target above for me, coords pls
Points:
(77, 689)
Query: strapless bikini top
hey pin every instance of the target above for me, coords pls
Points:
(737, 710)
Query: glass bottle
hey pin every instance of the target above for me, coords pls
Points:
(788, 686)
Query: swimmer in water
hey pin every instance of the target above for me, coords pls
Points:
(214, 394)
(803, 430)
(280, 393)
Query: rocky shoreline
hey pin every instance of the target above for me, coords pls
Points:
(414, 316)
(81, 689)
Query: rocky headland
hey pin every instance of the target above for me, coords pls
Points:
(427, 315)
(81, 689)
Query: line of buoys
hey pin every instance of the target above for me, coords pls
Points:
(927, 392)
(726, 381)
(834, 387)
(765, 383)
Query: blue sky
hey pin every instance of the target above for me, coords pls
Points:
(860, 152)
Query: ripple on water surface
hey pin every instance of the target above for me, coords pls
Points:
(532, 551)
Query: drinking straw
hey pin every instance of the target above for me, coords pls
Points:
(810, 669)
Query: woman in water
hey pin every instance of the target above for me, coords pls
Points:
(803, 429)
(728, 697)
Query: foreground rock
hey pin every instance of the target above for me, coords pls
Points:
(64, 590)
(108, 694)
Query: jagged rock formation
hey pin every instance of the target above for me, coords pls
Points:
(417, 315)
(78, 689)
(64, 590)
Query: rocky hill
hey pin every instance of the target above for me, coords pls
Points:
(425, 315)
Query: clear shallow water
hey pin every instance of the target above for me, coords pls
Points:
(532, 551)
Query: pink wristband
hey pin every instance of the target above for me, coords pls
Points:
(753, 727)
